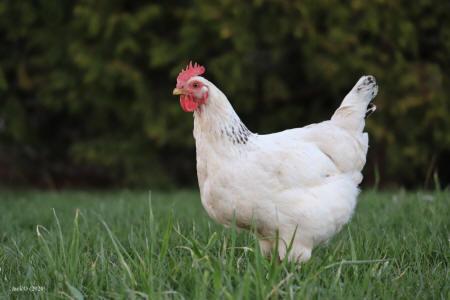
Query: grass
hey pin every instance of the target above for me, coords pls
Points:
(125, 245)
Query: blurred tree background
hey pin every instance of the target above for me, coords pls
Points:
(86, 85)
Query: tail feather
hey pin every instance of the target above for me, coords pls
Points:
(357, 105)
(371, 108)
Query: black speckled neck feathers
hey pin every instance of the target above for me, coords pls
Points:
(237, 133)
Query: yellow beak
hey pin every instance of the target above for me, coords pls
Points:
(177, 91)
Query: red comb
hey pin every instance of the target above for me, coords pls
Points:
(190, 71)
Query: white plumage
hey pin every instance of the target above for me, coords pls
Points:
(300, 182)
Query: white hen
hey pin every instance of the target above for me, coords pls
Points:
(299, 185)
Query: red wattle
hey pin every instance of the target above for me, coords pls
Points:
(187, 103)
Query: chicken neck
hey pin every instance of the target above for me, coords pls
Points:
(216, 122)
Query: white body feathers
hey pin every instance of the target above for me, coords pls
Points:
(301, 182)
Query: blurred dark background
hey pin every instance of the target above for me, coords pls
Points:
(85, 86)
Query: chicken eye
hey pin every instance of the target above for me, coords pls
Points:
(195, 85)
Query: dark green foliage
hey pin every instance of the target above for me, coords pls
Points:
(86, 85)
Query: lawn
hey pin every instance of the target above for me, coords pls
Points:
(127, 244)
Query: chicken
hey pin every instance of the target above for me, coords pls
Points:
(299, 186)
